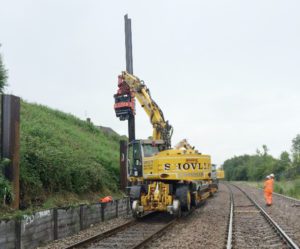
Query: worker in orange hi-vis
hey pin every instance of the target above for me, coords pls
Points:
(268, 190)
(106, 199)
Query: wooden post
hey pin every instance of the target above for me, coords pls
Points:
(18, 231)
(81, 217)
(117, 208)
(55, 225)
(102, 211)
(123, 165)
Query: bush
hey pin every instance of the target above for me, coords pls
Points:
(5, 186)
(60, 152)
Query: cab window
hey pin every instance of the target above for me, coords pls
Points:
(150, 150)
(134, 160)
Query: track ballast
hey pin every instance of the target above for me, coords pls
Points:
(133, 234)
(251, 227)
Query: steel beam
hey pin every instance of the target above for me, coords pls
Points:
(10, 142)
(123, 165)
(128, 45)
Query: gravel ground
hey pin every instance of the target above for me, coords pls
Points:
(93, 230)
(284, 211)
(204, 228)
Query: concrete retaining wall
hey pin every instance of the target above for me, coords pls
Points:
(92, 215)
(110, 210)
(35, 230)
(7, 234)
(123, 207)
(68, 222)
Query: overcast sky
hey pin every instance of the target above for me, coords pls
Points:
(225, 73)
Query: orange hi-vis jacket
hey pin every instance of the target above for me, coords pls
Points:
(106, 199)
(268, 185)
(268, 190)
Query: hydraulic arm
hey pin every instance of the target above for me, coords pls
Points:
(130, 87)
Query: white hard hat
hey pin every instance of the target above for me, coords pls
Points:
(272, 175)
(268, 177)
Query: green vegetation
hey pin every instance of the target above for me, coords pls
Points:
(3, 75)
(256, 167)
(61, 154)
(63, 161)
(5, 186)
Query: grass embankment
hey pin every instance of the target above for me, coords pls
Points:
(64, 160)
(290, 188)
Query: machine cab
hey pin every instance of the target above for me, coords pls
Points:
(137, 151)
(213, 171)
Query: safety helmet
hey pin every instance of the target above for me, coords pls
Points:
(272, 175)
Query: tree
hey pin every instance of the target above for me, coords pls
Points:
(265, 148)
(250, 167)
(296, 147)
(282, 166)
(236, 168)
(296, 153)
(3, 75)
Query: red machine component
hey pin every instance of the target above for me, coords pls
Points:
(124, 100)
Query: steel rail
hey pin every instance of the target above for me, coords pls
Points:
(274, 193)
(149, 238)
(102, 235)
(111, 232)
(287, 197)
(284, 196)
(277, 228)
(229, 234)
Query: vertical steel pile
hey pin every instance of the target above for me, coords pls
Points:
(129, 69)
(10, 141)
(131, 120)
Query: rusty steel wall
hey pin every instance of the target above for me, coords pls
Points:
(10, 141)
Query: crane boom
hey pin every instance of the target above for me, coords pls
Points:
(131, 86)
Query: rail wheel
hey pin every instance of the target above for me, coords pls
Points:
(135, 211)
(195, 200)
(176, 208)
(183, 194)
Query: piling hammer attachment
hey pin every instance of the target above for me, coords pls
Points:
(124, 101)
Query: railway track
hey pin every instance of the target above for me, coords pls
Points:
(297, 201)
(251, 227)
(133, 234)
